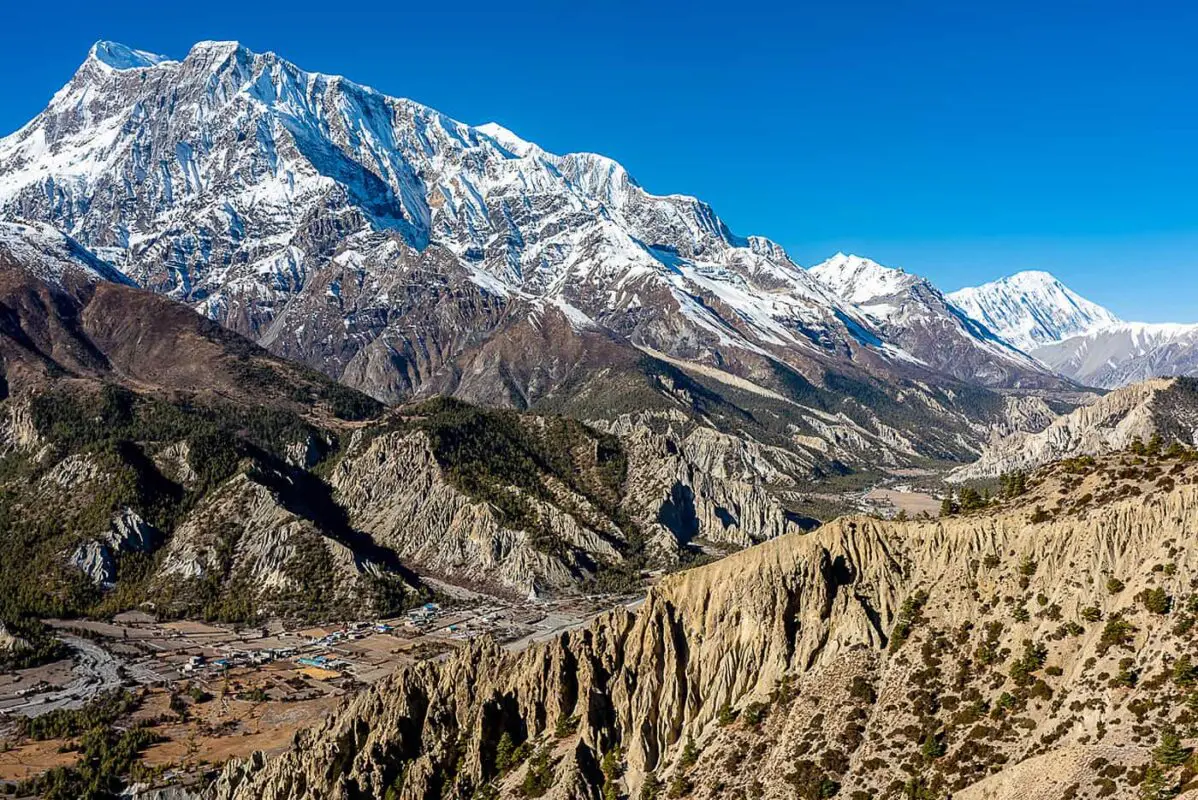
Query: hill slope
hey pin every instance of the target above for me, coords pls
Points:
(148, 453)
(961, 656)
(1167, 408)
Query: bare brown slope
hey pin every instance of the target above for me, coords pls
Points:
(108, 331)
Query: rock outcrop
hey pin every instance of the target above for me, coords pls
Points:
(393, 487)
(1165, 406)
(127, 533)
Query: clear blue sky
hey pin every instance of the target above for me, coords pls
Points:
(960, 140)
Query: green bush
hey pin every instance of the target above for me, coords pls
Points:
(538, 779)
(910, 613)
(1117, 632)
(1156, 600)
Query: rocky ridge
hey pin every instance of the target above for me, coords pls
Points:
(1124, 353)
(1161, 407)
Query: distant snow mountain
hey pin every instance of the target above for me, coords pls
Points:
(1076, 337)
(913, 314)
(282, 203)
(1031, 308)
(1125, 353)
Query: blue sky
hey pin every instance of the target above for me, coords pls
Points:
(959, 140)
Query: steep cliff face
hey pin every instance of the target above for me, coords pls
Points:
(394, 488)
(263, 543)
(871, 657)
(532, 504)
(689, 482)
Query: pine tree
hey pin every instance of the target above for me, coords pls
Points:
(947, 506)
(1156, 784)
(1169, 753)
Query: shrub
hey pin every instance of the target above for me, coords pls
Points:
(755, 713)
(1169, 752)
(947, 506)
(1156, 600)
(539, 778)
(690, 754)
(908, 616)
(1117, 632)
(932, 747)
(680, 786)
(565, 726)
(971, 500)
(507, 755)
(651, 788)
(1184, 672)
(1127, 675)
(1012, 484)
(1033, 657)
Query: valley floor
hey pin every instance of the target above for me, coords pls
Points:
(213, 692)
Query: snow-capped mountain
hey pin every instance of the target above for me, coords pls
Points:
(405, 253)
(913, 314)
(1125, 353)
(234, 181)
(1031, 308)
(1076, 337)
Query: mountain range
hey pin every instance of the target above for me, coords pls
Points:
(407, 254)
(1077, 338)
(277, 347)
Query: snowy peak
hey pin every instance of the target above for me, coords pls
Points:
(911, 312)
(119, 57)
(1032, 308)
(861, 280)
(508, 140)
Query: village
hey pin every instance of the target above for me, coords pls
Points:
(251, 688)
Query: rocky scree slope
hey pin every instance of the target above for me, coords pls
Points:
(407, 254)
(986, 655)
